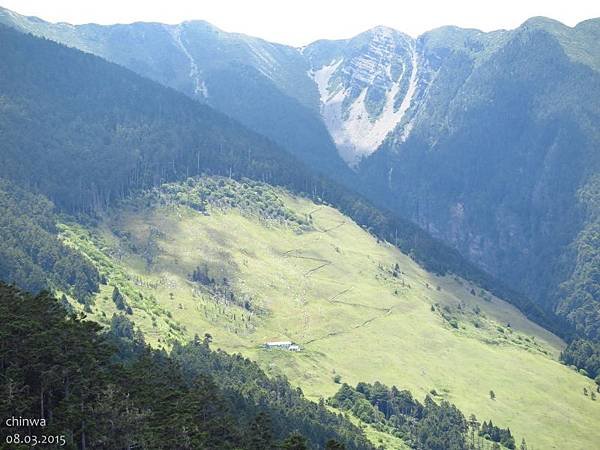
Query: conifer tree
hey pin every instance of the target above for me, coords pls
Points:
(260, 433)
(294, 441)
(332, 444)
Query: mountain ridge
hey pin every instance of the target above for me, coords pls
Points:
(85, 158)
(357, 121)
(447, 58)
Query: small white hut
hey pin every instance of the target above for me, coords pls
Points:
(282, 345)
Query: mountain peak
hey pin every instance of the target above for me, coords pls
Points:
(383, 32)
(541, 22)
(589, 24)
(200, 24)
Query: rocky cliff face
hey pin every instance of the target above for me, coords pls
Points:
(366, 86)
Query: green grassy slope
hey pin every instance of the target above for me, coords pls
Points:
(288, 269)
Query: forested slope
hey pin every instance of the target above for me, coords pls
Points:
(31, 255)
(109, 391)
(262, 85)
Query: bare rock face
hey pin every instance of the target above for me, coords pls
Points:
(366, 86)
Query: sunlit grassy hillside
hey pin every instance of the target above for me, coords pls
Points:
(250, 264)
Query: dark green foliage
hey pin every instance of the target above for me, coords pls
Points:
(502, 436)
(334, 445)
(584, 354)
(64, 302)
(425, 426)
(200, 275)
(580, 294)
(250, 392)
(120, 301)
(294, 442)
(110, 391)
(443, 427)
(250, 197)
(221, 288)
(260, 433)
(122, 328)
(59, 369)
(31, 255)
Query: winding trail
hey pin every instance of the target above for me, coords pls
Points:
(387, 312)
(311, 271)
(335, 227)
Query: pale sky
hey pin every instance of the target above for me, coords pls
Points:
(299, 22)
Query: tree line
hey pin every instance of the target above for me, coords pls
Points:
(31, 254)
(429, 425)
(109, 390)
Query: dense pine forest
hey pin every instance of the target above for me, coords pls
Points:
(31, 255)
(429, 425)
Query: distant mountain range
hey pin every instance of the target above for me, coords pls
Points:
(488, 141)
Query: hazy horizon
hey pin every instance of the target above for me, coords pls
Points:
(286, 24)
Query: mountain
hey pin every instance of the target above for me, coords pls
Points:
(85, 133)
(501, 148)
(262, 85)
(493, 146)
(92, 131)
(366, 85)
(465, 133)
(184, 221)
